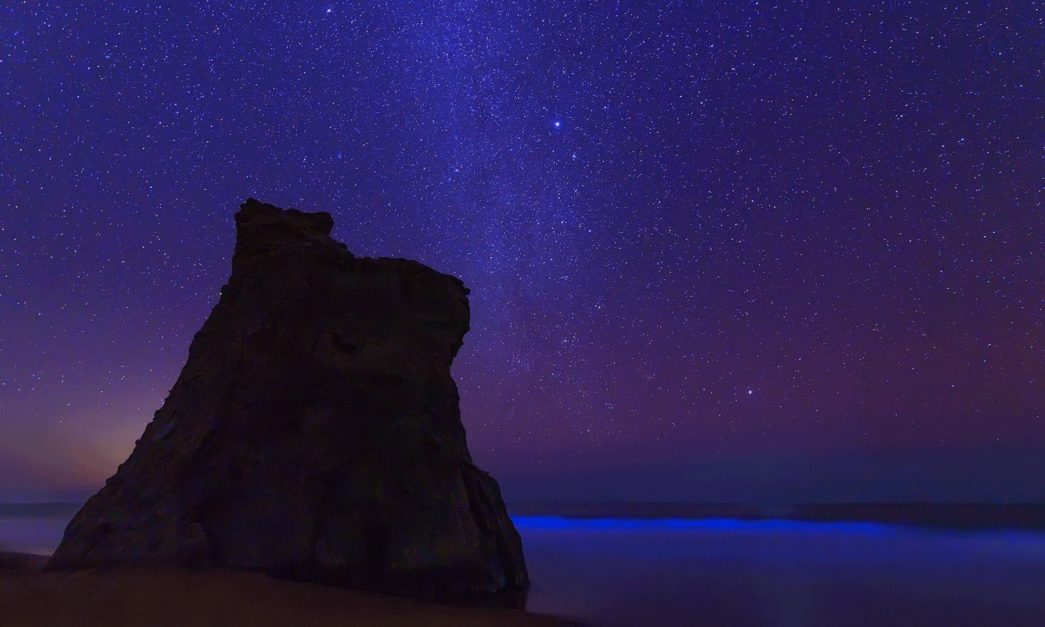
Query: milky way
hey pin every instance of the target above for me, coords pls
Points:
(744, 250)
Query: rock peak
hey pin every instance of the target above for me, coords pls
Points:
(266, 235)
(254, 214)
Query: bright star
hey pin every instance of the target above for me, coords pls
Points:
(557, 124)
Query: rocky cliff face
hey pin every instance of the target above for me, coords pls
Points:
(314, 432)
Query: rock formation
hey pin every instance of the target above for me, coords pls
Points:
(314, 432)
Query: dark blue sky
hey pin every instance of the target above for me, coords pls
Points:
(738, 250)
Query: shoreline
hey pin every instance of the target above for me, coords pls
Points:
(944, 515)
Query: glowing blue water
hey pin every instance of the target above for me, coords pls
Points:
(781, 572)
(562, 523)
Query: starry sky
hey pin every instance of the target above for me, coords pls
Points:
(737, 251)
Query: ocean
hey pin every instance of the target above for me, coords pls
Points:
(734, 572)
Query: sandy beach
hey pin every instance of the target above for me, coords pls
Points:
(169, 598)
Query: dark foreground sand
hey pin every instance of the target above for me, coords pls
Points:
(162, 598)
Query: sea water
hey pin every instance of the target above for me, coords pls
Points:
(782, 573)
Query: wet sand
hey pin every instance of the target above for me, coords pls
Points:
(170, 598)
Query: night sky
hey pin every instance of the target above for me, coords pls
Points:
(748, 251)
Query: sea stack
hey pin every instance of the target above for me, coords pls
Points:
(314, 432)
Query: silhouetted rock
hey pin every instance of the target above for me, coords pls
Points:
(314, 432)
